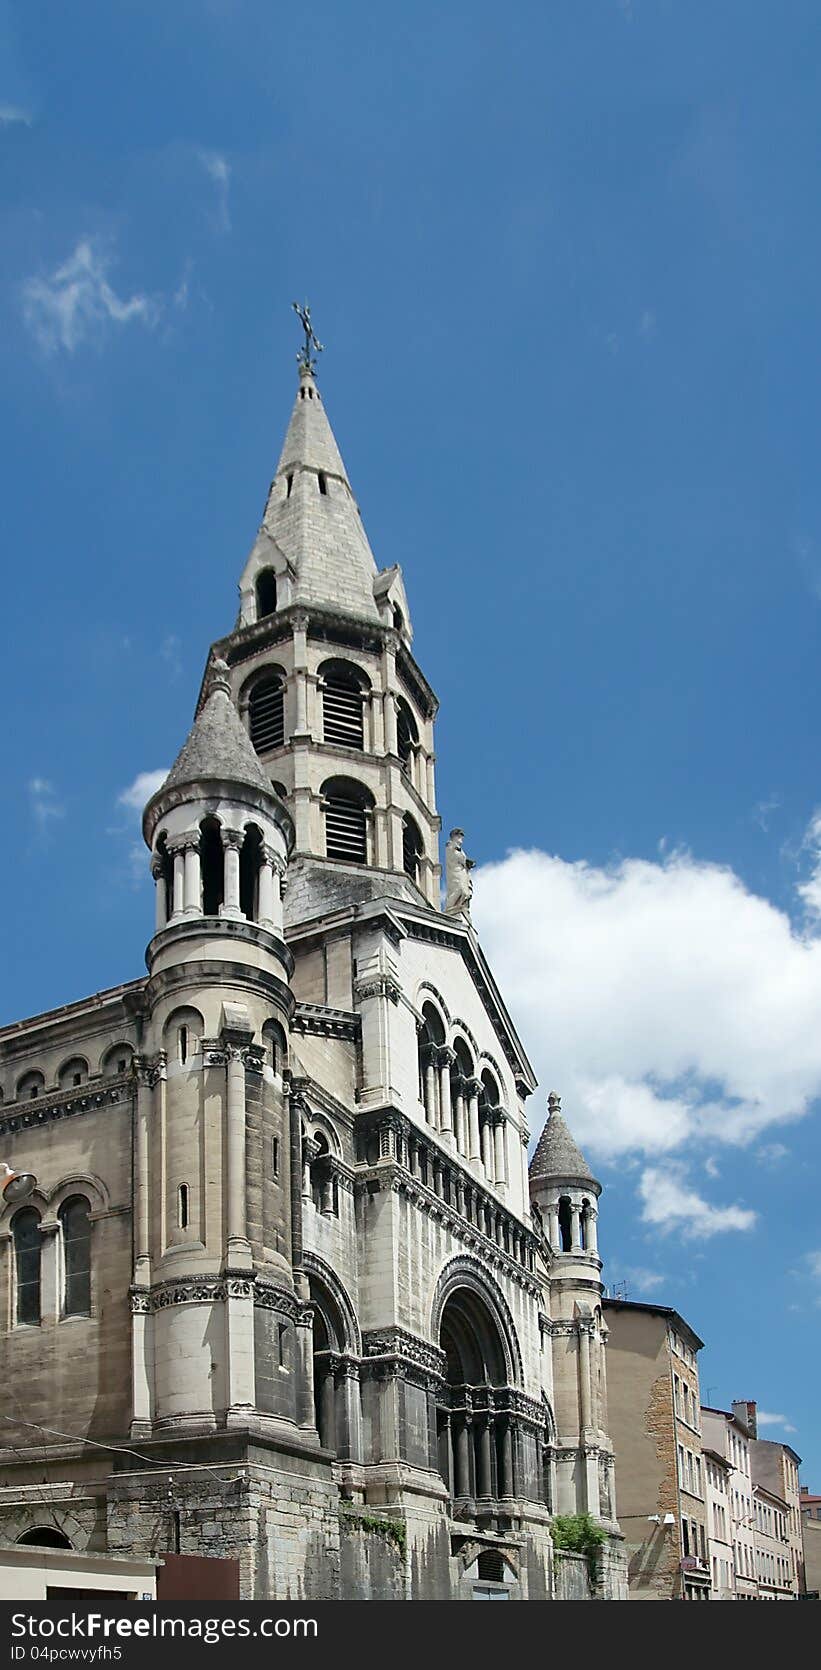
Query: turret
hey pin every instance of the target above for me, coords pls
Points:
(566, 1192)
(213, 1290)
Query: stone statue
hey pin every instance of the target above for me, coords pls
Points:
(458, 879)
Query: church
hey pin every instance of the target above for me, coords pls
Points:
(287, 1291)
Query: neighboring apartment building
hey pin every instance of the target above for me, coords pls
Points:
(655, 1428)
(772, 1550)
(727, 1435)
(775, 1467)
(716, 1473)
(811, 1530)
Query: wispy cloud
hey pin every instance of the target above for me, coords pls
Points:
(763, 810)
(133, 800)
(139, 792)
(76, 303)
(44, 801)
(643, 1280)
(771, 1153)
(668, 1204)
(648, 325)
(14, 113)
(218, 169)
(170, 654)
(765, 1418)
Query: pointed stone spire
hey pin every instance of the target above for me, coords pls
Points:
(312, 520)
(558, 1154)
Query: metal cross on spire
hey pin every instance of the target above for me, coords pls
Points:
(304, 357)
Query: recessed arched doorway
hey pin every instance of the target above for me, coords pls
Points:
(475, 1425)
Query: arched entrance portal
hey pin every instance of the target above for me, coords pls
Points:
(474, 1424)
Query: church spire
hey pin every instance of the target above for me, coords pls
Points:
(312, 542)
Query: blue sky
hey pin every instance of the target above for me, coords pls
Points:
(565, 260)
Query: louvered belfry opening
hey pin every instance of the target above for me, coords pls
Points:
(342, 706)
(266, 713)
(346, 821)
(411, 848)
(407, 735)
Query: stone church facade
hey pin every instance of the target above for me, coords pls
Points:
(287, 1288)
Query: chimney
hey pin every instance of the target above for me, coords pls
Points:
(746, 1413)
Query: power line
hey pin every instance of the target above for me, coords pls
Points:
(120, 1449)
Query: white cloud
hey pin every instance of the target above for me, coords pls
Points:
(170, 654)
(668, 1204)
(44, 802)
(770, 1153)
(810, 889)
(673, 1008)
(645, 1281)
(76, 303)
(138, 793)
(764, 1418)
(13, 113)
(218, 169)
(813, 1259)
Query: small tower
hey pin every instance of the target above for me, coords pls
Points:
(566, 1193)
(213, 1255)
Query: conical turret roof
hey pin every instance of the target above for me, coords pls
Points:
(313, 518)
(217, 749)
(557, 1152)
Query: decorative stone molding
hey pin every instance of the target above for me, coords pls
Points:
(321, 1022)
(56, 1105)
(379, 985)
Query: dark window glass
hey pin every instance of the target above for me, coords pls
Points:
(76, 1228)
(27, 1247)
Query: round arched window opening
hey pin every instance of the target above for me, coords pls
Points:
(266, 590)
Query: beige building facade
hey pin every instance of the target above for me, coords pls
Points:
(287, 1290)
(716, 1471)
(654, 1423)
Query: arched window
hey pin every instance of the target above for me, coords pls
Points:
(411, 848)
(565, 1224)
(25, 1230)
(273, 1039)
(30, 1086)
(76, 1237)
(266, 713)
(212, 867)
(431, 1036)
(346, 805)
(73, 1073)
(266, 589)
(407, 733)
(43, 1536)
(330, 1340)
(343, 688)
(250, 860)
(182, 1206)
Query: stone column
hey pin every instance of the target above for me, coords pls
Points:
(575, 1225)
(474, 1140)
(192, 890)
(506, 1459)
(459, 1117)
(487, 1149)
(431, 795)
(231, 842)
(142, 1244)
(160, 894)
(300, 626)
(178, 903)
(552, 1214)
(310, 1149)
(266, 890)
(591, 1223)
(238, 1247)
(483, 1479)
(391, 742)
(377, 723)
(444, 1059)
(585, 1389)
(430, 1091)
(499, 1149)
(461, 1462)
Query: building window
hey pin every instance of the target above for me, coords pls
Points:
(343, 722)
(411, 848)
(275, 1156)
(76, 1239)
(182, 1206)
(25, 1229)
(407, 734)
(346, 807)
(266, 713)
(266, 590)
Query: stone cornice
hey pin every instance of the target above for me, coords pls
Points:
(46, 1109)
(320, 1021)
(88, 1014)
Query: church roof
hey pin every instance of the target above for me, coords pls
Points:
(313, 518)
(218, 746)
(557, 1152)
